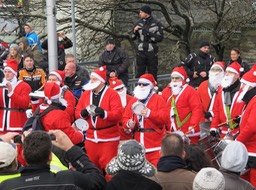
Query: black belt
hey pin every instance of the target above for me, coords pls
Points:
(143, 130)
(13, 109)
(96, 129)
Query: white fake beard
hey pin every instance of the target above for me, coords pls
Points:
(123, 97)
(215, 79)
(141, 93)
(242, 93)
(91, 86)
(176, 87)
(227, 81)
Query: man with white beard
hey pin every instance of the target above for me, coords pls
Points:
(120, 88)
(101, 107)
(186, 109)
(146, 116)
(208, 89)
(227, 109)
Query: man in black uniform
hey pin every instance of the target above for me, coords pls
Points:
(197, 65)
(149, 32)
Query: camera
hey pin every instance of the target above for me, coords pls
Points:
(17, 139)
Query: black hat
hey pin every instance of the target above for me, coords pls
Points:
(110, 41)
(146, 9)
(204, 43)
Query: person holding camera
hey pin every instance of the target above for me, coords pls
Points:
(37, 174)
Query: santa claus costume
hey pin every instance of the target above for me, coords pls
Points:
(14, 99)
(149, 124)
(101, 107)
(227, 108)
(184, 103)
(120, 88)
(247, 133)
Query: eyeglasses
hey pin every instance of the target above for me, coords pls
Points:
(216, 69)
(120, 89)
(175, 78)
(141, 84)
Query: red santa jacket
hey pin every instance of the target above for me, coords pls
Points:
(157, 120)
(220, 114)
(59, 119)
(247, 133)
(187, 101)
(106, 129)
(18, 99)
(71, 104)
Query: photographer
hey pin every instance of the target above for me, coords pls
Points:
(37, 175)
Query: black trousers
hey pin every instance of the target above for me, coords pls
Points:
(146, 61)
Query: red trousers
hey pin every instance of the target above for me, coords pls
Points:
(101, 153)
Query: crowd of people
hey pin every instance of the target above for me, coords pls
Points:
(148, 139)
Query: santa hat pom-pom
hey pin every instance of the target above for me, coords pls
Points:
(241, 69)
(160, 93)
(254, 73)
(187, 80)
(4, 64)
(101, 69)
(156, 88)
(49, 102)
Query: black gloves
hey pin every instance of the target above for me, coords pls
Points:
(100, 112)
(84, 113)
(237, 119)
(207, 115)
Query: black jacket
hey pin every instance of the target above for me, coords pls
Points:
(86, 176)
(197, 62)
(131, 180)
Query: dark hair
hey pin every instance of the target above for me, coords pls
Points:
(37, 148)
(196, 158)
(172, 144)
(26, 55)
(236, 50)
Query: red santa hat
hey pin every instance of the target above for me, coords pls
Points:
(51, 91)
(59, 74)
(12, 65)
(249, 78)
(148, 78)
(235, 67)
(100, 73)
(180, 71)
(115, 83)
(220, 65)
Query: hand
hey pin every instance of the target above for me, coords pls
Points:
(61, 35)
(144, 112)
(207, 115)
(136, 28)
(9, 86)
(29, 113)
(62, 141)
(191, 130)
(237, 119)
(131, 123)
(84, 113)
(99, 112)
(8, 136)
(195, 75)
(203, 74)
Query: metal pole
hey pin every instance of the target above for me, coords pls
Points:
(52, 36)
(73, 26)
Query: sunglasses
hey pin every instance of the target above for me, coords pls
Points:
(216, 70)
(175, 78)
(141, 84)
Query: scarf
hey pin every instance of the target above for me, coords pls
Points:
(169, 163)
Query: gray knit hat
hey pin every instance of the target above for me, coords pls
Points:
(15, 46)
(210, 179)
(234, 157)
(130, 157)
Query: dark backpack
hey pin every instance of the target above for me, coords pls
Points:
(34, 122)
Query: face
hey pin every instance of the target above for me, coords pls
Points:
(21, 45)
(70, 60)
(29, 63)
(234, 55)
(70, 70)
(27, 29)
(175, 78)
(143, 15)
(110, 47)
(13, 52)
(8, 74)
(205, 49)
(53, 78)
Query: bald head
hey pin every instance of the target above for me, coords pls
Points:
(70, 69)
(172, 144)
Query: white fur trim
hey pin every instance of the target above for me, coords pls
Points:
(56, 74)
(119, 86)
(252, 84)
(98, 77)
(14, 72)
(177, 73)
(232, 70)
(217, 65)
